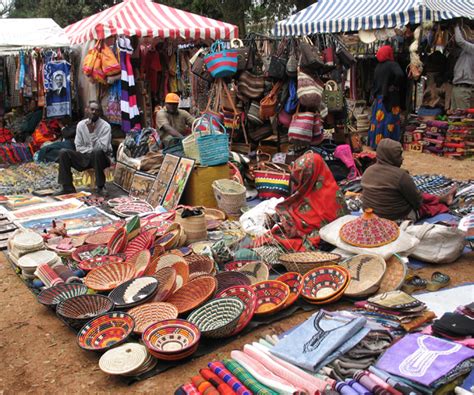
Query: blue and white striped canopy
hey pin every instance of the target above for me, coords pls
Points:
(334, 16)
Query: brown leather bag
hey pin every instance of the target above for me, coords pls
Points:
(268, 103)
(250, 85)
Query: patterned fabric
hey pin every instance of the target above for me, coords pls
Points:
(383, 123)
(217, 382)
(204, 387)
(315, 201)
(247, 379)
(57, 83)
(433, 184)
(219, 369)
(187, 389)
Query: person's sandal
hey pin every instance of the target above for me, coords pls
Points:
(438, 281)
(413, 284)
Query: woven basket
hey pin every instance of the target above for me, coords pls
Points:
(199, 264)
(303, 262)
(394, 276)
(219, 317)
(193, 294)
(190, 148)
(271, 296)
(230, 196)
(213, 149)
(255, 272)
(166, 283)
(194, 227)
(229, 279)
(148, 313)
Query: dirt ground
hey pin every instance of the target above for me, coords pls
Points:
(40, 355)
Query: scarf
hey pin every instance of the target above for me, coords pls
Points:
(385, 53)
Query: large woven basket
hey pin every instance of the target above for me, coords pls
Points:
(190, 148)
(230, 196)
(195, 227)
(303, 262)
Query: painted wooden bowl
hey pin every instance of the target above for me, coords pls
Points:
(118, 241)
(295, 281)
(98, 261)
(134, 292)
(229, 279)
(106, 331)
(271, 296)
(76, 311)
(193, 294)
(218, 318)
(324, 283)
(108, 277)
(149, 313)
(54, 295)
(246, 294)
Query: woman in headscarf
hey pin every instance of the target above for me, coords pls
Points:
(315, 201)
(388, 77)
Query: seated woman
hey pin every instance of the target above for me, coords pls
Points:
(315, 201)
(391, 192)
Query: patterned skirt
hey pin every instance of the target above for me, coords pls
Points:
(383, 123)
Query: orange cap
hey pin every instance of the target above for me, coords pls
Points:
(172, 98)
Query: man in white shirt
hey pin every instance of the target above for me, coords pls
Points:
(93, 143)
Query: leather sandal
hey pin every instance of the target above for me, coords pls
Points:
(414, 283)
(438, 280)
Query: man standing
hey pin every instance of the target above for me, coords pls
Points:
(463, 80)
(171, 121)
(93, 143)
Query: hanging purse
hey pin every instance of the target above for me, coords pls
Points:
(253, 114)
(221, 62)
(272, 180)
(284, 118)
(89, 59)
(250, 85)
(110, 64)
(301, 127)
(318, 135)
(243, 53)
(98, 74)
(278, 61)
(310, 58)
(269, 102)
(261, 132)
(333, 98)
(199, 68)
(292, 101)
(309, 91)
(292, 64)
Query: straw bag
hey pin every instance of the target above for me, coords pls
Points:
(253, 114)
(250, 85)
(194, 226)
(89, 59)
(213, 148)
(272, 180)
(230, 196)
(200, 125)
(301, 127)
(333, 97)
(221, 62)
(309, 91)
(269, 102)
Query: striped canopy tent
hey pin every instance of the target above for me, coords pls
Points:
(335, 16)
(144, 18)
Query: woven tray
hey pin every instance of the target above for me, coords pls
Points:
(394, 276)
(366, 273)
(134, 292)
(108, 277)
(193, 294)
(199, 264)
(148, 313)
(125, 359)
(303, 262)
(140, 261)
(166, 283)
(99, 238)
(255, 272)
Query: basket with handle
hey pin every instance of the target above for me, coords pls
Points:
(213, 148)
(230, 196)
(203, 125)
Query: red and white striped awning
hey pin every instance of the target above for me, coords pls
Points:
(144, 18)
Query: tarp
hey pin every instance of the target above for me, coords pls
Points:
(334, 16)
(144, 18)
(16, 34)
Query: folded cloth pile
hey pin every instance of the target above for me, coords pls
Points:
(396, 310)
(459, 140)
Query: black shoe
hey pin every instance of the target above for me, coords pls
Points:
(101, 191)
(65, 191)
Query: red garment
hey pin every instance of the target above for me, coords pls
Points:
(315, 201)
(6, 136)
(217, 382)
(431, 206)
(385, 53)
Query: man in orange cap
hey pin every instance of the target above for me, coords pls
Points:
(171, 121)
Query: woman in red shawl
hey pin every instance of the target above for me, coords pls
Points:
(314, 202)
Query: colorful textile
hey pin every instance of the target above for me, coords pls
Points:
(57, 83)
(204, 387)
(187, 389)
(219, 369)
(383, 123)
(431, 206)
(217, 382)
(422, 358)
(247, 379)
(315, 201)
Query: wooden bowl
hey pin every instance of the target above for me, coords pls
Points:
(193, 294)
(105, 331)
(78, 310)
(294, 280)
(54, 295)
(271, 296)
(98, 261)
(149, 313)
(108, 277)
(134, 292)
(324, 283)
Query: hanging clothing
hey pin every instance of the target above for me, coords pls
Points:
(128, 103)
(314, 202)
(113, 110)
(57, 83)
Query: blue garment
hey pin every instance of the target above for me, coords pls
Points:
(383, 123)
(50, 152)
(57, 82)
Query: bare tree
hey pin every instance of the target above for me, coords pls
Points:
(5, 7)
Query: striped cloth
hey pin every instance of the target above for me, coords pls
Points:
(219, 369)
(335, 16)
(216, 381)
(187, 389)
(247, 379)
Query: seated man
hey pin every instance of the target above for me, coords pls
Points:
(391, 192)
(93, 143)
(172, 122)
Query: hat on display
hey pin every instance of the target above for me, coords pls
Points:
(172, 98)
(367, 36)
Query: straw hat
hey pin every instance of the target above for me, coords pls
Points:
(366, 273)
(367, 36)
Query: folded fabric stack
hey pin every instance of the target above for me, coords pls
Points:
(460, 135)
(396, 310)
(413, 136)
(434, 136)
(433, 184)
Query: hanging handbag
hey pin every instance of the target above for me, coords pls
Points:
(345, 57)
(212, 109)
(250, 85)
(232, 119)
(98, 74)
(110, 64)
(292, 101)
(242, 54)
(272, 180)
(284, 118)
(199, 68)
(221, 62)
(318, 135)
(278, 61)
(301, 127)
(309, 55)
(268, 103)
(292, 64)
(213, 148)
(89, 59)
(261, 132)
(253, 114)
(333, 98)
(309, 91)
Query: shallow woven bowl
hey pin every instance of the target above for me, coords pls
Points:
(255, 271)
(193, 294)
(324, 283)
(99, 238)
(82, 249)
(179, 264)
(134, 292)
(106, 331)
(218, 318)
(246, 294)
(199, 264)
(149, 313)
(166, 283)
(76, 311)
(140, 261)
(294, 280)
(271, 296)
(118, 242)
(394, 276)
(108, 277)
(143, 241)
(229, 279)
(171, 337)
(303, 262)
(236, 265)
(98, 261)
(54, 295)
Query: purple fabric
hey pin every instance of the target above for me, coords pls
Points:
(358, 387)
(422, 358)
